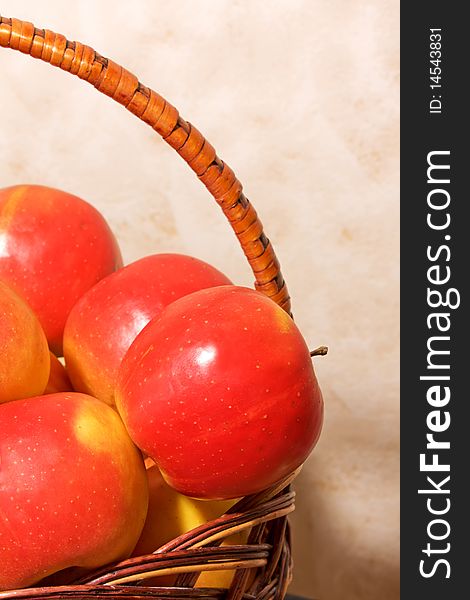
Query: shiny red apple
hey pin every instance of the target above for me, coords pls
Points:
(106, 320)
(53, 248)
(221, 393)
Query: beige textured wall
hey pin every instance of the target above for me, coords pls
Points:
(301, 98)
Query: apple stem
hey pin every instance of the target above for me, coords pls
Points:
(320, 351)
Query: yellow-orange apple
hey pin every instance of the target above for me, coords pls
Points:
(58, 379)
(53, 247)
(171, 514)
(24, 355)
(73, 488)
(106, 319)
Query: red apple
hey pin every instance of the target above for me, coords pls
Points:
(24, 355)
(106, 320)
(73, 488)
(53, 248)
(220, 392)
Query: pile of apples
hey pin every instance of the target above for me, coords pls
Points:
(105, 368)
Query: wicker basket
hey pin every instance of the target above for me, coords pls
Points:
(264, 565)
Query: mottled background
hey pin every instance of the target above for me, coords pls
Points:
(300, 97)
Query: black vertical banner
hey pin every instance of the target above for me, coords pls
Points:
(435, 269)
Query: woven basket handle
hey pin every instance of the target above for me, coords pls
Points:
(121, 85)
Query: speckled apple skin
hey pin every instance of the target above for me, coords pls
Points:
(53, 248)
(24, 354)
(107, 319)
(220, 391)
(73, 488)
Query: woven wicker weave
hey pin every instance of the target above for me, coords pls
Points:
(264, 565)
